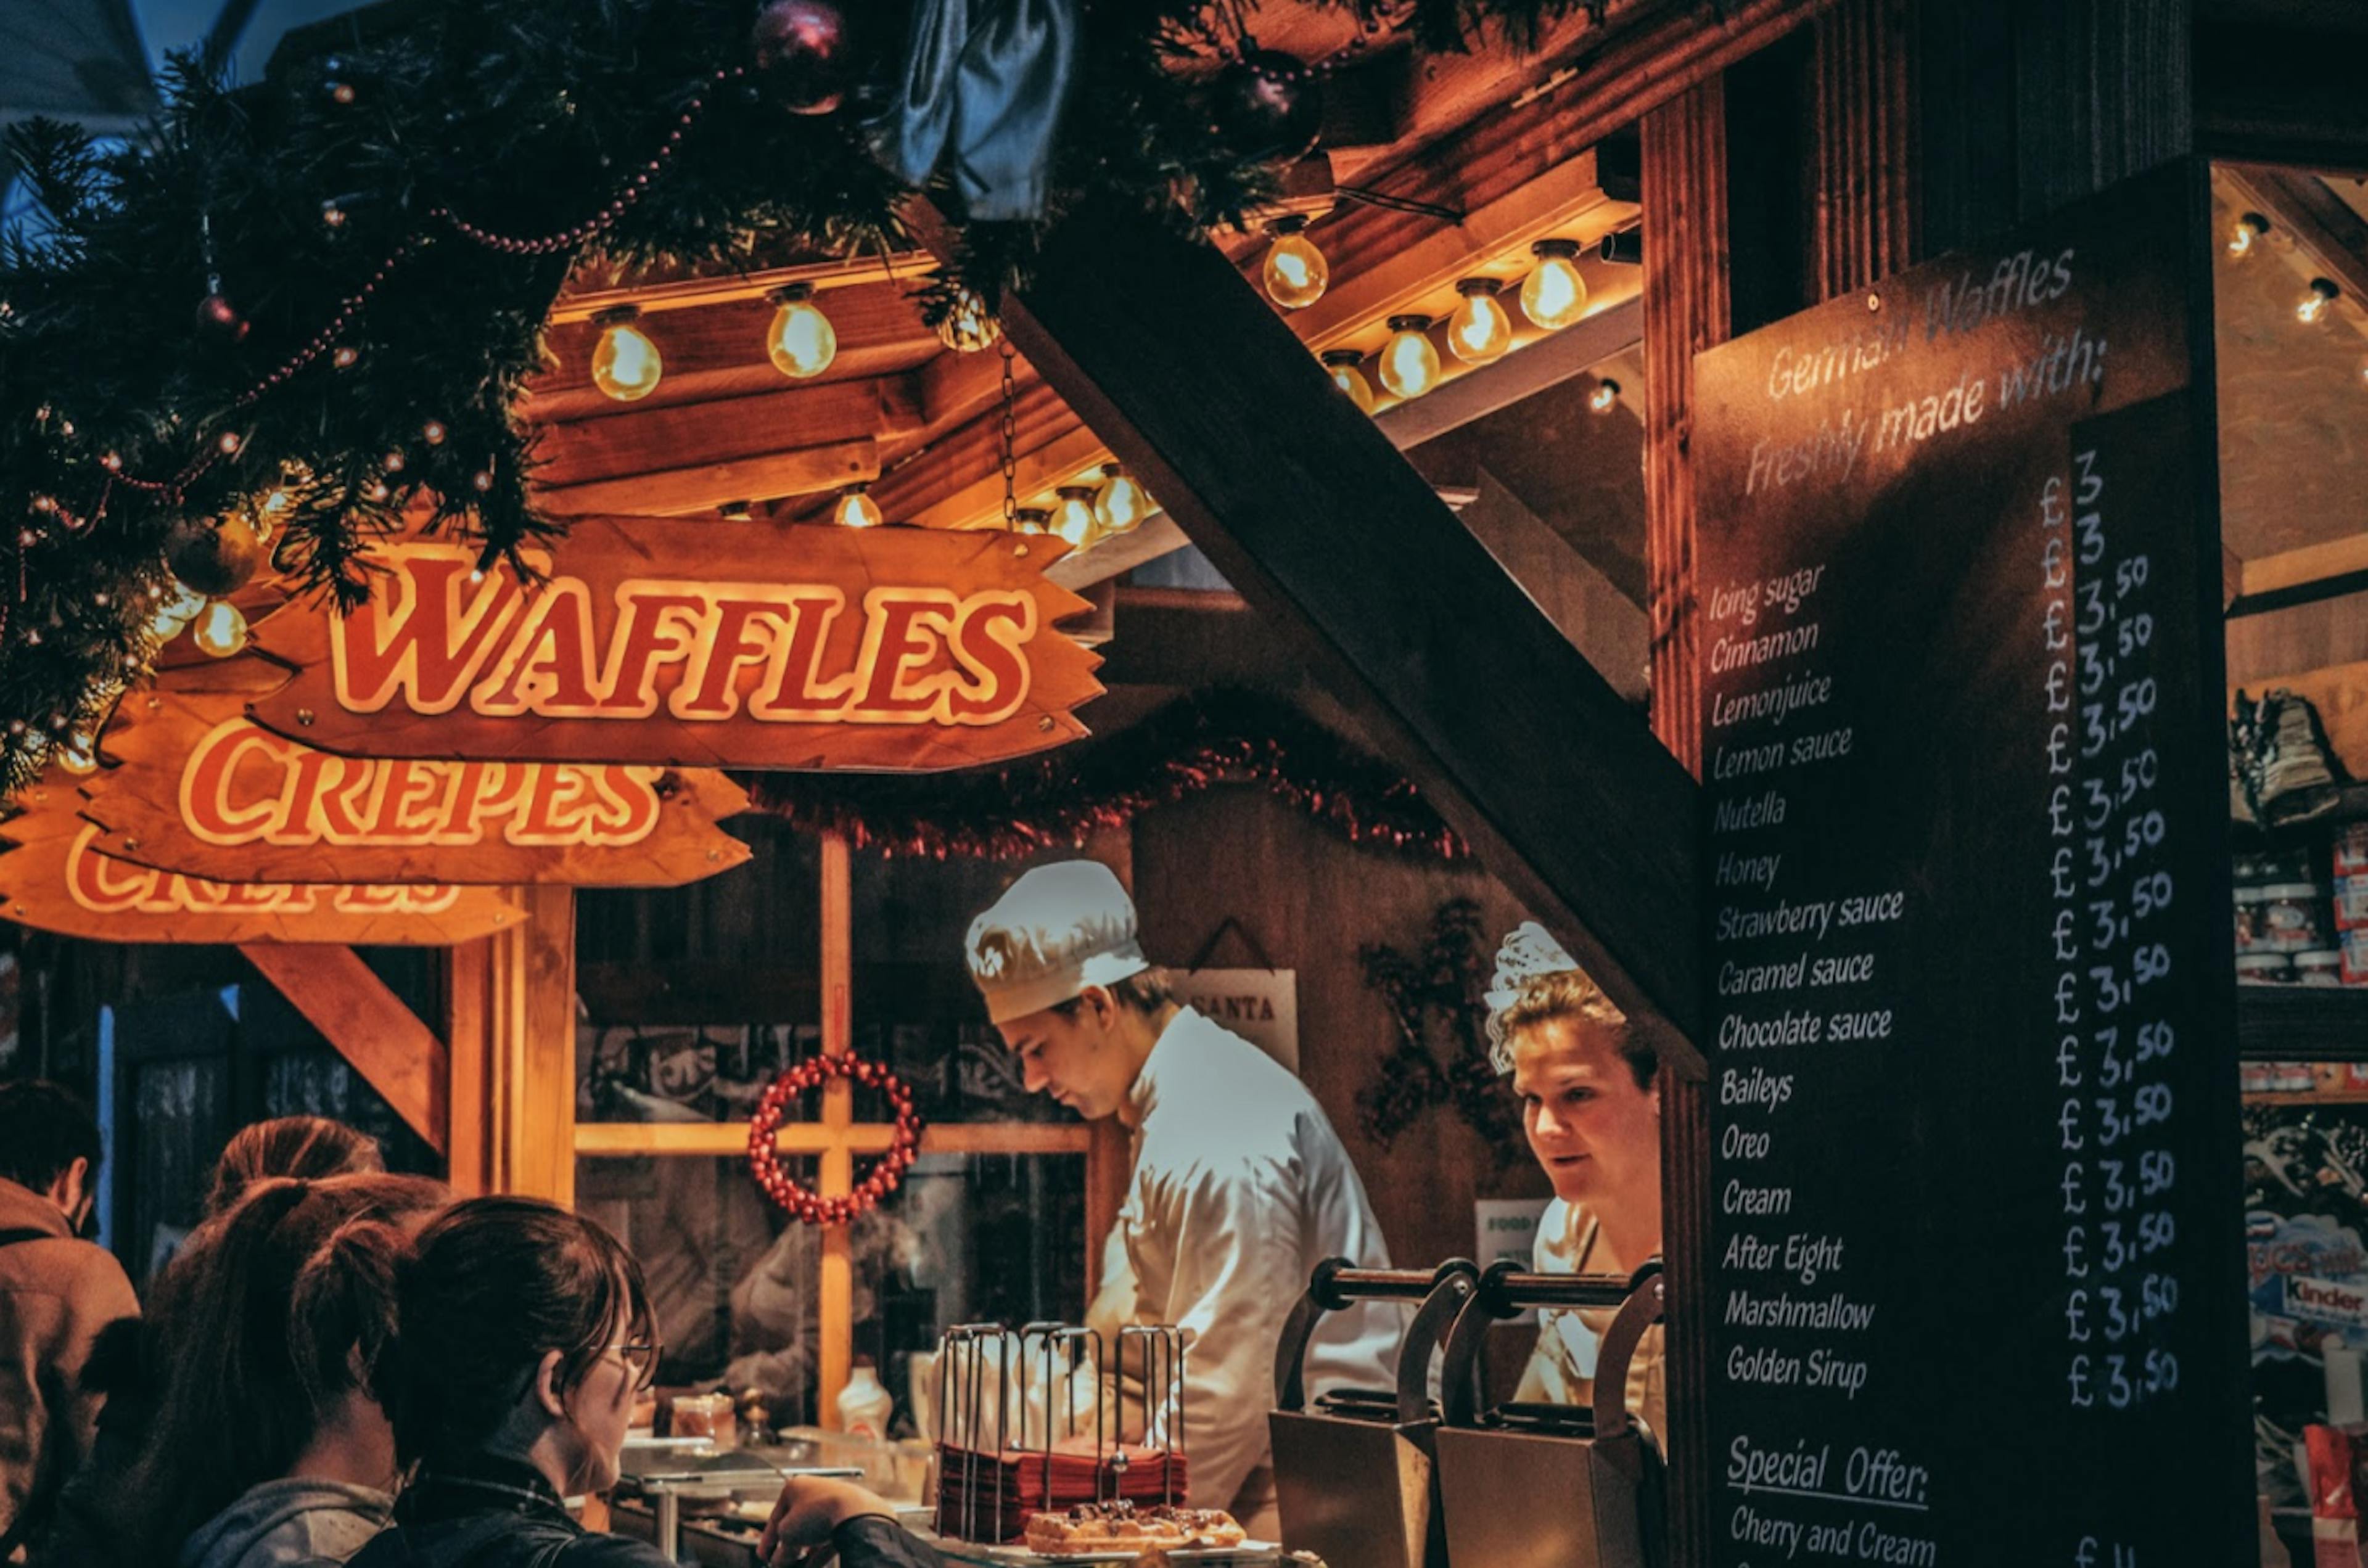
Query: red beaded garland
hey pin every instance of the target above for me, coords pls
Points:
(764, 1165)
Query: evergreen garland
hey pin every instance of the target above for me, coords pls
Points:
(342, 207)
(1060, 798)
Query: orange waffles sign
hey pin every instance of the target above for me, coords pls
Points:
(204, 789)
(660, 640)
(55, 878)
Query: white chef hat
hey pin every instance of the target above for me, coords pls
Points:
(1527, 954)
(1055, 931)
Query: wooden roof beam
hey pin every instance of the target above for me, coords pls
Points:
(703, 487)
(698, 290)
(718, 350)
(728, 430)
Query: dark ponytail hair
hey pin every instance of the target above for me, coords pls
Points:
(279, 1310)
(309, 1147)
(491, 1286)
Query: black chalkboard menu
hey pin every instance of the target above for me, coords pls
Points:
(1976, 1278)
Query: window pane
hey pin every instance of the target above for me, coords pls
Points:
(686, 1072)
(742, 946)
(915, 1006)
(966, 1238)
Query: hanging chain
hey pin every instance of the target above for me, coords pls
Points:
(1009, 434)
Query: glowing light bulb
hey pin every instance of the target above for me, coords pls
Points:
(1605, 397)
(79, 752)
(175, 612)
(857, 510)
(969, 326)
(1030, 520)
(1553, 294)
(222, 630)
(1295, 271)
(802, 341)
(1073, 520)
(1122, 503)
(2315, 304)
(1348, 373)
(1478, 331)
(1410, 364)
(2246, 235)
(625, 363)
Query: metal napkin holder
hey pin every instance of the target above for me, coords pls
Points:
(1550, 1486)
(975, 1443)
(1354, 1478)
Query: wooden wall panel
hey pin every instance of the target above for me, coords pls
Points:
(1862, 123)
(1686, 311)
(2024, 108)
(1311, 900)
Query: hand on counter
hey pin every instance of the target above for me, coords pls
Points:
(812, 1506)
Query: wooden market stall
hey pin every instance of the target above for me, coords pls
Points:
(1489, 578)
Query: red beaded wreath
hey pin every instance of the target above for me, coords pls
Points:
(764, 1165)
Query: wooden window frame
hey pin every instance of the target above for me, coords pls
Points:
(837, 1139)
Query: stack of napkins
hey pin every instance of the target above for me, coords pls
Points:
(988, 1496)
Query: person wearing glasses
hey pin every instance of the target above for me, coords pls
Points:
(525, 1333)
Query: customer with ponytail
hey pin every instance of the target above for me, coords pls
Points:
(526, 1332)
(268, 1445)
(309, 1147)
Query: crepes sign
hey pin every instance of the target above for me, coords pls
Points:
(204, 789)
(664, 642)
(54, 877)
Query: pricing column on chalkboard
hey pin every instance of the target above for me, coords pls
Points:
(1976, 1269)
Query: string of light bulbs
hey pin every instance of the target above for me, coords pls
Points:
(1553, 295)
(2250, 233)
(800, 340)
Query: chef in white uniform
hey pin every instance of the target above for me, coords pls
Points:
(1239, 1185)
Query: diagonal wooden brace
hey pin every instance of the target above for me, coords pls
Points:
(1312, 514)
(384, 1042)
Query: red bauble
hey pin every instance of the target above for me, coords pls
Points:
(805, 53)
(1267, 105)
(219, 321)
(764, 1162)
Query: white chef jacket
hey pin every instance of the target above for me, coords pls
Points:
(1239, 1189)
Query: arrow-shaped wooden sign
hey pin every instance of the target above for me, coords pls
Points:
(202, 788)
(54, 879)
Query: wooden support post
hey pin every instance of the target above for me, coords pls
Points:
(469, 1147)
(532, 1013)
(1686, 311)
(384, 1041)
(836, 1296)
(1110, 1158)
(1314, 516)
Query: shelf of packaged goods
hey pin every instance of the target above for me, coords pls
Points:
(2302, 1023)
